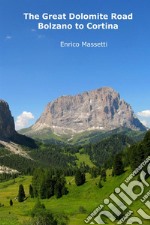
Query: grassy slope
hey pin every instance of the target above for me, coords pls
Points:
(86, 137)
(9, 190)
(88, 196)
(84, 158)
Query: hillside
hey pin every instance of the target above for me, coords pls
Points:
(74, 208)
(64, 156)
(25, 160)
(74, 205)
(84, 138)
(97, 136)
(104, 151)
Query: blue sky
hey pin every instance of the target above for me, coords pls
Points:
(34, 69)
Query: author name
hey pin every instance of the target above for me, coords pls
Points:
(83, 44)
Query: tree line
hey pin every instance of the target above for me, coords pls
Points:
(47, 183)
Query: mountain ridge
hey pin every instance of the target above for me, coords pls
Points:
(101, 109)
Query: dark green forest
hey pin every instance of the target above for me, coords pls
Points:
(63, 157)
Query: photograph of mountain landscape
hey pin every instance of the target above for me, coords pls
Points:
(74, 112)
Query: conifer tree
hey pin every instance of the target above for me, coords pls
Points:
(11, 202)
(31, 193)
(118, 167)
(21, 193)
(79, 178)
(103, 174)
(58, 189)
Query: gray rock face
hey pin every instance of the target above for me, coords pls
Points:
(101, 109)
(7, 127)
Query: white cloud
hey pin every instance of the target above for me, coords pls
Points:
(145, 123)
(8, 37)
(145, 113)
(23, 120)
(144, 117)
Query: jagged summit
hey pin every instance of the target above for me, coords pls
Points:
(7, 126)
(100, 109)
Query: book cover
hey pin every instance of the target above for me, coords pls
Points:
(74, 112)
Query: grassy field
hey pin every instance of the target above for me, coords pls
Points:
(77, 205)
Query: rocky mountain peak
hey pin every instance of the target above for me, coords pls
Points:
(7, 127)
(100, 109)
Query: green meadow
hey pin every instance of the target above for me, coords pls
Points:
(76, 205)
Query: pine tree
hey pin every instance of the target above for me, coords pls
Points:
(11, 202)
(21, 193)
(41, 215)
(42, 191)
(50, 187)
(31, 193)
(79, 178)
(103, 174)
(118, 167)
(58, 190)
(38, 208)
(94, 171)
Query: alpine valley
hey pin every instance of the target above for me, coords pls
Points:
(80, 149)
